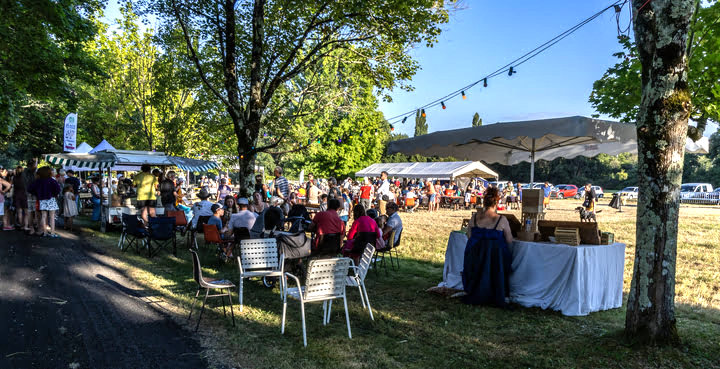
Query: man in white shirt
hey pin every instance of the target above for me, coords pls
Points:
(384, 190)
(242, 219)
(201, 208)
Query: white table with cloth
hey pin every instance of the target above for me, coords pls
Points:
(575, 280)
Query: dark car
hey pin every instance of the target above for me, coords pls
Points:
(564, 191)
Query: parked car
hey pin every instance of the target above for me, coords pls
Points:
(598, 192)
(499, 184)
(698, 193)
(564, 191)
(629, 192)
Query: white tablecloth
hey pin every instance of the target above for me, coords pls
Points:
(575, 280)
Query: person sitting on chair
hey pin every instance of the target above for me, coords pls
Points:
(244, 218)
(202, 208)
(216, 219)
(361, 223)
(394, 223)
(327, 222)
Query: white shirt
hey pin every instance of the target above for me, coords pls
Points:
(242, 219)
(385, 190)
(201, 208)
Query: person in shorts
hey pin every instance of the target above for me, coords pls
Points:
(146, 186)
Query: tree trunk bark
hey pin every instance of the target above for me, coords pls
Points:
(661, 32)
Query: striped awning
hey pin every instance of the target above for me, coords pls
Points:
(193, 165)
(92, 161)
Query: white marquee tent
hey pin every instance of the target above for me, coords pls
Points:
(436, 170)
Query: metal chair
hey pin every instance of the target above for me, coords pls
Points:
(390, 247)
(325, 281)
(132, 234)
(358, 279)
(258, 258)
(207, 285)
(161, 233)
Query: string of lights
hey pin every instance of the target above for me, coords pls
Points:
(509, 68)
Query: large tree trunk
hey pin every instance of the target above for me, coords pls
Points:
(661, 31)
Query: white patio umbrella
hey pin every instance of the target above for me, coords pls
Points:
(527, 141)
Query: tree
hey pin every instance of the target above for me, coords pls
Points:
(421, 126)
(618, 92)
(41, 48)
(476, 121)
(661, 30)
(245, 52)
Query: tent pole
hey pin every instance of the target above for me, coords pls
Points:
(532, 162)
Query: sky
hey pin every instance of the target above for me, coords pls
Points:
(485, 35)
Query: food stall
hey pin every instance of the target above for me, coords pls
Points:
(125, 160)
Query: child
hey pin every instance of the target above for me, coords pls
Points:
(70, 207)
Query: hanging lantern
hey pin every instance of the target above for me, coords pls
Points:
(442, 103)
(463, 95)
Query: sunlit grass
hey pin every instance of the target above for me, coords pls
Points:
(416, 329)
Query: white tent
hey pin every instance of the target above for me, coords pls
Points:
(102, 146)
(83, 148)
(436, 170)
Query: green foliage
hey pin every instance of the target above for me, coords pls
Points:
(476, 120)
(421, 126)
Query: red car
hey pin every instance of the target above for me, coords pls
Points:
(564, 191)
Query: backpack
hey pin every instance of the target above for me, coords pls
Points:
(294, 246)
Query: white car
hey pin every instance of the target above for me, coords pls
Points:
(629, 192)
(598, 192)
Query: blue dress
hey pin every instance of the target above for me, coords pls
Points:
(486, 268)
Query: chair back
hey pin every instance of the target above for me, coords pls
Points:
(162, 228)
(241, 233)
(179, 216)
(390, 243)
(259, 253)
(326, 278)
(211, 233)
(203, 219)
(197, 270)
(365, 260)
(361, 239)
(329, 243)
(130, 224)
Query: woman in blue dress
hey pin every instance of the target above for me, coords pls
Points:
(486, 268)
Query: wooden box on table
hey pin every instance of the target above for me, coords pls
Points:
(589, 232)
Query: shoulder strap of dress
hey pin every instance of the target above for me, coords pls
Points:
(498, 222)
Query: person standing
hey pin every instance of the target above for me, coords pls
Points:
(383, 192)
(75, 182)
(546, 193)
(28, 177)
(281, 189)
(366, 194)
(96, 198)
(590, 198)
(46, 189)
(70, 209)
(431, 195)
(145, 183)
(20, 198)
(5, 187)
(168, 192)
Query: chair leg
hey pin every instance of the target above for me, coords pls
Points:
(302, 312)
(347, 316)
(231, 304)
(397, 259)
(193, 303)
(367, 299)
(207, 290)
(240, 293)
(325, 314)
(282, 325)
(362, 298)
(222, 299)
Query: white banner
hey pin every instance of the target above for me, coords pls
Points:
(70, 132)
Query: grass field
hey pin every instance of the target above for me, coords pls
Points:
(417, 329)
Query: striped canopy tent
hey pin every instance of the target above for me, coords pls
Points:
(132, 160)
(89, 161)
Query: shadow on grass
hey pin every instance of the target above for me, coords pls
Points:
(412, 328)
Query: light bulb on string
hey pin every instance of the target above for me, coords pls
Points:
(423, 113)
(511, 71)
(404, 120)
(463, 95)
(392, 128)
(484, 82)
(442, 103)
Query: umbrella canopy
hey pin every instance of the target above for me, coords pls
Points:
(439, 170)
(515, 142)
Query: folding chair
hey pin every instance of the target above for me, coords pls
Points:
(207, 285)
(258, 258)
(224, 247)
(390, 247)
(132, 234)
(161, 234)
(181, 223)
(325, 281)
(358, 279)
(192, 234)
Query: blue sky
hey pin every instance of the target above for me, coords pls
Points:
(486, 35)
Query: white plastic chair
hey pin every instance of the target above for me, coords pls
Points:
(258, 258)
(358, 279)
(325, 281)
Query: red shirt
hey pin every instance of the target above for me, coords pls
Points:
(328, 222)
(365, 192)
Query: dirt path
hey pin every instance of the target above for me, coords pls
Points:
(63, 304)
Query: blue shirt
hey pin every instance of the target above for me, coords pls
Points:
(547, 190)
(216, 222)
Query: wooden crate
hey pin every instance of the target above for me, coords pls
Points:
(589, 233)
(567, 236)
(607, 238)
